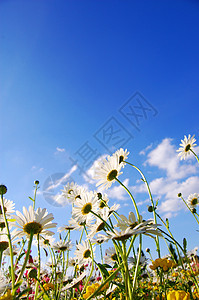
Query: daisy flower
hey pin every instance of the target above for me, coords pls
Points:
(44, 242)
(75, 281)
(110, 257)
(124, 223)
(36, 222)
(186, 145)
(107, 171)
(9, 207)
(78, 225)
(62, 246)
(72, 191)
(103, 199)
(193, 200)
(3, 240)
(99, 224)
(122, 155)
(84, 253)
(88, 202)
(65, 228)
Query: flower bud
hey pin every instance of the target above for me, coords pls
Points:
(3, 189)
(36, 182)
(193, 210)
(179, 194)
(147, 250)
(150, 208)
(32, 273)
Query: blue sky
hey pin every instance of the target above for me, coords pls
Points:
(72, 69)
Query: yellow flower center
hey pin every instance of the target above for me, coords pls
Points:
(121, 159)
(112, 175)
(100, 227)
(32, 227)
(3, 245)
(87, 253)
(194, 201)
(86, 208)
(114, 257)
(187, 148)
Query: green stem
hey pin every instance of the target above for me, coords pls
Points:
(137, 264)
(34, 199)
(1, 255)
(133, 200)
(38, 274)
(17, 259)
(152, 203)
(195, 155)
(27, 257)
(189, 209)
(127, 280)
(92, 266)
(9, 242)
(109, 279)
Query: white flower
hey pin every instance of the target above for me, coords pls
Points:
(146, 227)
(78, 225)
(110, 256)
(186, 145)
(99, 225)
(72, 191)
(8, 207)
(193, 200)
(3, 240)
(84, 253)
(65, 228)
(36, 222)
(103, 199)
(132, 260)
(44, 242)
(122, 156)
(124, 223)
(83, 207)
(75, 281)
(62, 245)
(107, 171)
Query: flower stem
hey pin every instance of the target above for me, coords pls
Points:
(9, 241)
(134, 203)
(27, 257)
(152, 203)
(195, 155)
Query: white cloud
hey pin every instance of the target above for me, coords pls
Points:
(143, 152)
(37, 169)
(165, 157)
(57, 183)
(176, 179)
(88, 175)
(58, 149)
(118, 192)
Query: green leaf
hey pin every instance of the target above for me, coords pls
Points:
(31, 199)
(46, 252)
(185, 244)
(167, 221)
(103, 269)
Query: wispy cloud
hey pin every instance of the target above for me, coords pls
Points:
(54, 184)
(37, 169)
(88, 175)
(180, 177)
(118, 192)
(60, 150)
(144, 151)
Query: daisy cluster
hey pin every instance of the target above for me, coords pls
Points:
(123, 272)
